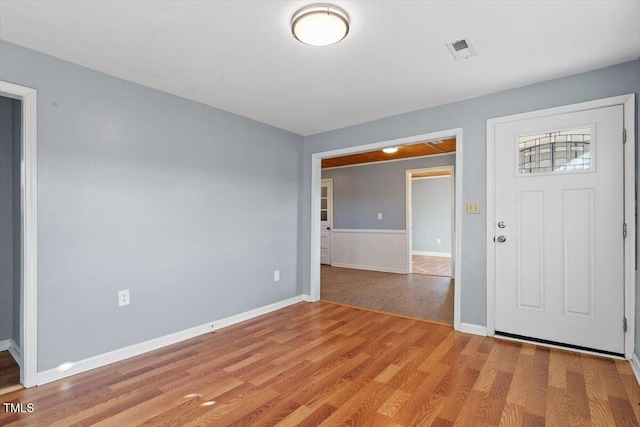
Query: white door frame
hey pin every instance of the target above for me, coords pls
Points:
(316, 178)
(628, 101)
(329, 181)
(28, 197)
(409, 213)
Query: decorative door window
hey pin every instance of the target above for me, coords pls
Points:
(324, 204)
(561, 151)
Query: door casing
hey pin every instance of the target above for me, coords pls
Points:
(409, 214)
(29, 232)
(316, 178)
(628, 101)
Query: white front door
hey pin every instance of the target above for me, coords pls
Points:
(326, 220)
(559, 218)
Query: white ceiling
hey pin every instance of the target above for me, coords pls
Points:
(240, 56)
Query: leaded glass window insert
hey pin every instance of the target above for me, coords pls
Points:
(324, 203)
(566, 150)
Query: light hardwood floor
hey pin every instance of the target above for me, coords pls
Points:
(9, 371)
(331, 365)
(431, 265)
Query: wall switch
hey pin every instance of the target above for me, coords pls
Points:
(439, 240)
(276, 276)
(379, 215)
(123, 298)
(473, 207)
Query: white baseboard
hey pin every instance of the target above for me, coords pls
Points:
(428, 253)
(370, 268)
(306, 297)
(635, 366)
(470, 328)
(156, 343)
(15, 351)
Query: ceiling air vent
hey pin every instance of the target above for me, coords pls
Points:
(461, 49)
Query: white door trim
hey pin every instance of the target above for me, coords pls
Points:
(628, 101)
(29, 192)
(409, 216)
(316, 177)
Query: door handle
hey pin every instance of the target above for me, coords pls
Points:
(502, 239)
(328, 228)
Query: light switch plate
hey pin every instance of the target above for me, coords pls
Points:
(473, 207)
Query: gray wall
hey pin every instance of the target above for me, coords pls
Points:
(360, 192)
(140, 189)
(431, 214)
(189, 207)
(471, 115)
(6, 220)
(16, 148)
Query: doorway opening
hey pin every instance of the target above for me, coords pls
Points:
(22, 342)
(430, 220)
(10, 287)
(381, 235)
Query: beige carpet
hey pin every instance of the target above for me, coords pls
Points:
(413, 295)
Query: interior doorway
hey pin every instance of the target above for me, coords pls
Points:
(393, 241)
(22, 345)
(430, 220)
(10, 244)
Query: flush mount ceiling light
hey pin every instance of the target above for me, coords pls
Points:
(390, 150)
(320, 25)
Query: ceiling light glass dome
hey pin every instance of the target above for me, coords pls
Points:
(320, 25)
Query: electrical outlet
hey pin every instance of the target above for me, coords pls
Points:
(276, 276)
(379, 215)
(212, 327)
(123, 298)
(439, 240)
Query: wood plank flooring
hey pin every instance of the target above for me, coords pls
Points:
(9, 370)
(324, 364)
(412, 295)
(431, 265)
